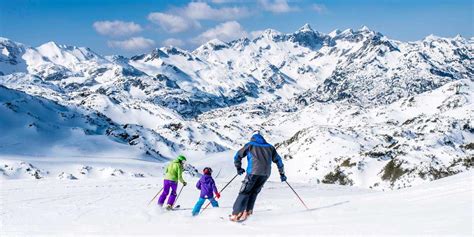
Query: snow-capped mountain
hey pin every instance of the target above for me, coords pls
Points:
(350, 107)
(415, 139)
(423, 137)
(37, 126)
(11, 57)
(362, 65)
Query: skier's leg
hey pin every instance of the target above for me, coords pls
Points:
(164, 194)
(214, 203)
(254, 193)
(240, 203)
(174, 187)
(197, 207)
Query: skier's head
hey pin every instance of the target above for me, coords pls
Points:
(181, 159)
(207, 171)
(255, 132)
(257, 137)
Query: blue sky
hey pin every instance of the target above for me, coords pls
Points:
(129, 27)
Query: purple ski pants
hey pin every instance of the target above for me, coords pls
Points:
(167, 185)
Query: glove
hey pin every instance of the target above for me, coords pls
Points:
(240, 171)
(218, 195)
(282, 177)
(184, 183)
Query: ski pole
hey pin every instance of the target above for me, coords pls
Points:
(220, 191)
(176, 200)
(155, 196)
(297, 195)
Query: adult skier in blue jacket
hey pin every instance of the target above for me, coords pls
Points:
(260, 156)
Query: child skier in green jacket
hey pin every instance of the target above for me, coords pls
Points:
(174, 173)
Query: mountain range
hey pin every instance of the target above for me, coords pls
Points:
(350, 107)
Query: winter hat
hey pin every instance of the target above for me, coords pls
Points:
(256, 132)
(207, 171)
(181, 158)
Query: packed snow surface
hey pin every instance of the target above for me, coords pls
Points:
(118, 206)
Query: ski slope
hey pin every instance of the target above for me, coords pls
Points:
(118, 206)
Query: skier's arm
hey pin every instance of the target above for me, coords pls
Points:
(180, 174)
(277, 160)
(239, 155)
(198, 185)
(214, 188)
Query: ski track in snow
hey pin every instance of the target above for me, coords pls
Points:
(119, 206)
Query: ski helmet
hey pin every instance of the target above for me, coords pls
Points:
(256, 132)
(207, 170)
(181, 158)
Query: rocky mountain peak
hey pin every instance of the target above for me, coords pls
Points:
(364, 29)
(334, 33)
(270, 34)
(306, 27)
(214, 44)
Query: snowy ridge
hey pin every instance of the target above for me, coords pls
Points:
(425, 137)
(37, 126)
(306, 65)
(414, 140)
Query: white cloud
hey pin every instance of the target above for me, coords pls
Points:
(226, 31)
(277, 6)
(185, 18)
(132, 44)
(172, 23)
(116, 28)
(173, 42)
(202, 11)
(319, 8)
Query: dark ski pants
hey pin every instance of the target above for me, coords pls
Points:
(167, 185)
(251, 186)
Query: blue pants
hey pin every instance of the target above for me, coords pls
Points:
(200, 202)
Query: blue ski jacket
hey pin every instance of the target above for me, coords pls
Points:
(260, 156)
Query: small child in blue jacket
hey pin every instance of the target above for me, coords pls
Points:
(207, 186)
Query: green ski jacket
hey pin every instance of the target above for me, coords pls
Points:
(174, 171)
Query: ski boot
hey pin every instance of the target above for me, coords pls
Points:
(239, 217)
